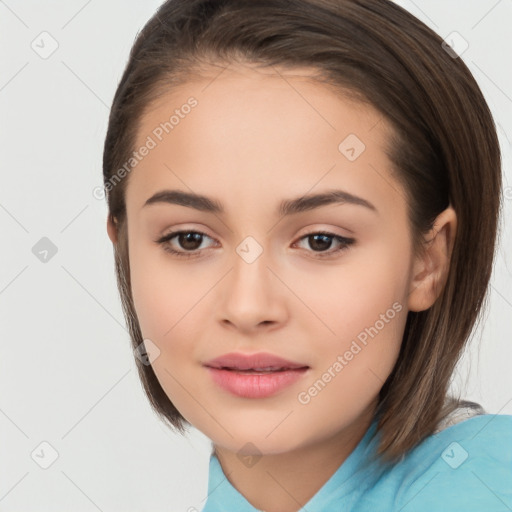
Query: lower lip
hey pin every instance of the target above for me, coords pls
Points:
(254, 385)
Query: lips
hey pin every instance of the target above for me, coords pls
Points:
(261, 362)
(254, 375)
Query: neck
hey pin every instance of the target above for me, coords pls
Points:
(285, 482)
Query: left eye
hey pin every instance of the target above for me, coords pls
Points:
(322, 239)
(190, 242)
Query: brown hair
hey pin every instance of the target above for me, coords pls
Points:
(444, 150)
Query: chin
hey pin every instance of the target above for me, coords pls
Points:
(257, 434)
(255, 443)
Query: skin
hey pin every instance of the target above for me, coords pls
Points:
(258, 137)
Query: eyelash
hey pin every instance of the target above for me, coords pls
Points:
(345, 243)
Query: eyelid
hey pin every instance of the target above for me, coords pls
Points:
(312, 229)
(185, 229)
(308, 231)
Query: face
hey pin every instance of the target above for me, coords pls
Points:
(323, 284)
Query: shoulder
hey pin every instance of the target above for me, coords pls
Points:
(466, 466)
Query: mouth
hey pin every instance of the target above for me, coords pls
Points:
(254, 376)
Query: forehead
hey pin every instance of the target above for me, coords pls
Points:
(241, 90)
(260, 130)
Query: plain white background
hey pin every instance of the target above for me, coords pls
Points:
(68, 377)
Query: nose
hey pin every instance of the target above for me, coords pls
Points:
(252, 296)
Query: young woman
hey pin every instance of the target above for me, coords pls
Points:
(303, 200)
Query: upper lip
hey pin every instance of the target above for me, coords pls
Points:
(241, 361)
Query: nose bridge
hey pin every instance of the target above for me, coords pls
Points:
(250, 272)
(250, 294)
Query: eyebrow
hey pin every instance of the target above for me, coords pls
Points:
(286, 207)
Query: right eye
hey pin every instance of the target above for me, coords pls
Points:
(188, 239)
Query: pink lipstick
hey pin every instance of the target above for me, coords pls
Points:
(254, 375)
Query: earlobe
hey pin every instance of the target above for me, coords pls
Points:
(430, 269)
(112, 229)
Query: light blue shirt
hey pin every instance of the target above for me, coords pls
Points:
(466, 467)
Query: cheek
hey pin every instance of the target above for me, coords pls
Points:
(352, 372)
(165, 303)
(341, 302)
(361, 358)
(363, 315)
(165, 293)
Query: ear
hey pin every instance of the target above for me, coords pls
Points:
(112, 228)
(430, 269)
